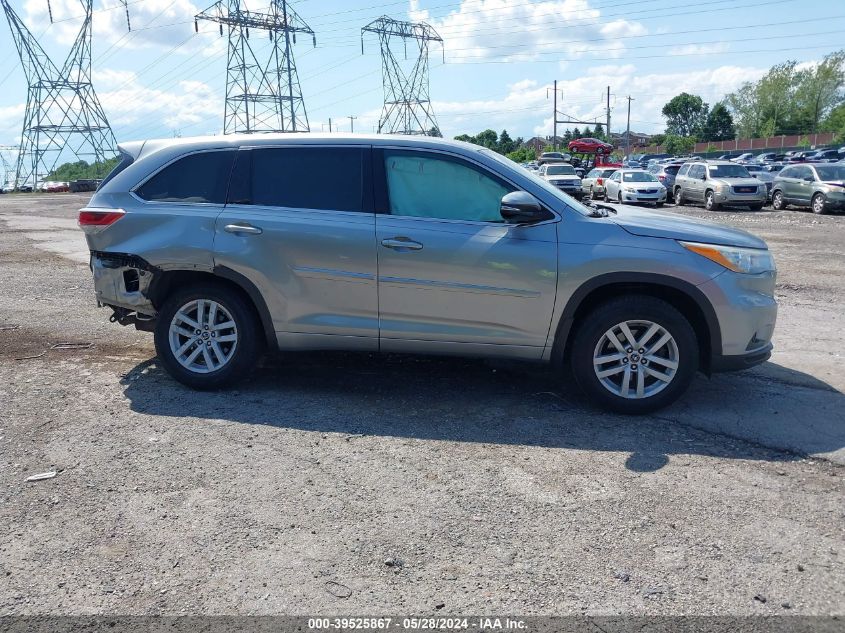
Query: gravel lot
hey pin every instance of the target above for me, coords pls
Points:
(341, 483)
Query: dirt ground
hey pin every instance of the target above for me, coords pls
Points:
(354, 484)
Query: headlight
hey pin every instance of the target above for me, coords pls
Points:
(750, 261)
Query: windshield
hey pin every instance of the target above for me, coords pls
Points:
(560, 170)
(831, 172)
(728, 171)
(637, 176)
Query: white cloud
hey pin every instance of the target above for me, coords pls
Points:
(517, 30)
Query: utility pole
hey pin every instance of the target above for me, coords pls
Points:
(352, 124)
(607, 127)
(330, 125)
(628, 129)
(554, 133)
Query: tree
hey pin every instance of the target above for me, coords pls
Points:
(522, 155)
(588, 133)
(820, 90)
(506, 144)
(466, 138)
(719, 125)
(488, 138)
(82, 170)
(685, 115)
(434, 131)
(835, 122)
(658, 139)
(567, 136)
(675, 144)
(599, 132)
(576, 133)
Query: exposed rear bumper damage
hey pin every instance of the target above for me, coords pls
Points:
(121, 282)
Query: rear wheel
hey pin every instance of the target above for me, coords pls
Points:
(778, 202)
(634, 354)
(604, 197)
(207, 336)
(710, 201)
(818, 203)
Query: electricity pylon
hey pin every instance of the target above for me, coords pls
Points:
(62, 112)
(407, 105)
(9, 166)
(262, 92)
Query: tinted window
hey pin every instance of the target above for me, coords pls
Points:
(696, 171)
(789, 172)
(327, 178)
(430, 186)
(672, 169)
(684, 169)
(804, 172)
(200, 177)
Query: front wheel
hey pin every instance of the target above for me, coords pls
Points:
(207, 336)
(818, 204)
(710, 201)
(778, 203)
(634, 354)
(678, 197)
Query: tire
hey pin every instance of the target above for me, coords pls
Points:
(237, 356)
(778, 203)
(592, 193)
(817, 204)
(605, 198)
(619, 195)
(710, 201)
(678, 197)
(639, 313)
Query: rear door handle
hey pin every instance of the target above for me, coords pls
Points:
(243, 228)
(401, 244)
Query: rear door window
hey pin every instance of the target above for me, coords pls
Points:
(202, 177)
(696, 171)
(323, 178)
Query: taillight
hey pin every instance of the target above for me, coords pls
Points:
(599, 181)
(661, 178)
(95, 220)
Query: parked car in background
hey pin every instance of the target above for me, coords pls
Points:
(770, 157)
(553, 157)
(798, 157)
(816, 185)
(665, 174)
(592, 184)
(222, 246)
(773, 167)
(719, 182)
(634, 186)
(760, 173)
(562, 176)
(825, 156)
(589, 146)
(728, 156)
(742, 158)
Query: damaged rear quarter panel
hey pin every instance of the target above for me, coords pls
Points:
(165, 236)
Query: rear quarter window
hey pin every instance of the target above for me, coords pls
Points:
(202, 177)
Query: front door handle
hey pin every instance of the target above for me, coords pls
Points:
(401, 244)
(247, 229)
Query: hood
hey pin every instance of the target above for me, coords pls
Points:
(678, 227)
(563, 177)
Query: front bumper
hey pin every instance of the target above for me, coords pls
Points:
(653, 198)
(746, 311)
(729, 197)
(720, 363)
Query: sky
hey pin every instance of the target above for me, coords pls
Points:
(501, 58)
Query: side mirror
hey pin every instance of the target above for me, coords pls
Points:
(704, 177)
(809, 179)
(520, 207)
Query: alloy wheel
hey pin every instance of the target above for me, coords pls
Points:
(636, 359)
(203, 336)
(818, 203)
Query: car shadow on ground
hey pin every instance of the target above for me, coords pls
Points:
(498, 402)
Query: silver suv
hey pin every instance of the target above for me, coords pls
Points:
(225, 246)
(717, 183)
